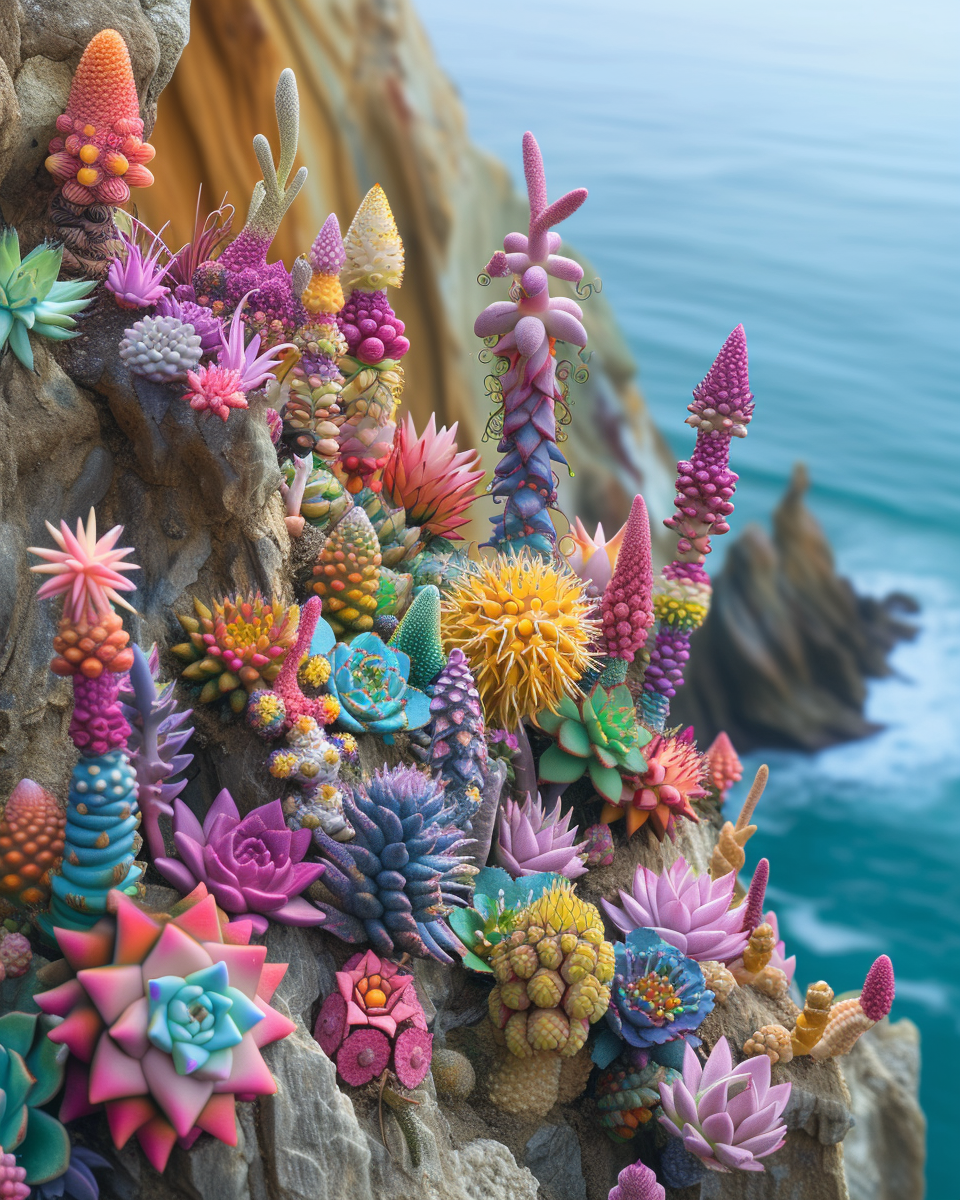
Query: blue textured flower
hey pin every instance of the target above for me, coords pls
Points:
(199, 1019)
(657, 994)
(370, 681)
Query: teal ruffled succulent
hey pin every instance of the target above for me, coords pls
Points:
(31, 1074)
(496, 900)
(198, 1020)
(599, 735)
(31, 299)
(370, 681)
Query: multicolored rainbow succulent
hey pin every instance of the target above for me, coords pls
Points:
(164, 1020)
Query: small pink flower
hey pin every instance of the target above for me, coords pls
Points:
(215, 390)
(412, 1055)
(376, 993)
(363, 1056)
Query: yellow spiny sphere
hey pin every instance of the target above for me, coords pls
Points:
(525, 629)
(323, 294)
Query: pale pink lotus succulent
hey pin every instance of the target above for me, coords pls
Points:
(690, 912)
(530, 841)
(729, 1117)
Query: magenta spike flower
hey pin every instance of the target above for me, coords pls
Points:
(627, 609)
(327, 254)
(723, 403)
(752, 907)
(215, 391)
(876, 999)
(637, 1182)
(159, 732)
(254, 867)
(525, 327)
(690, 912)
(134, 276)
(530, 841)
(253, 371)
(86, 570)
(729, 1117)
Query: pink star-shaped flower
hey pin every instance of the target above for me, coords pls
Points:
(86, 570)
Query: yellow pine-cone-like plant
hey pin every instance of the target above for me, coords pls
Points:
(553, 974)
(813, 1020)
(728, 854)
(526, 1086)
(372, 246)
(347, 575)
(772, 1040)
(756, 955)
(524, 627)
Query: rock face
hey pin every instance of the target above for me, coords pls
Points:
(785, 653)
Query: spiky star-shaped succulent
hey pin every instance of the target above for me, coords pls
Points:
(86, 569)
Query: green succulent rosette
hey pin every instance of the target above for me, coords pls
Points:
(31, 1074)
(496, 900)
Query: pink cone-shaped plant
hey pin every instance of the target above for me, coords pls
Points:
(690, 912)
(729, 1117)
(254, 867)
(637, 1182)
(627, 608)
(430, 479)
(724, 768)
(530, 841)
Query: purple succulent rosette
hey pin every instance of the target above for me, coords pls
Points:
(253, 867)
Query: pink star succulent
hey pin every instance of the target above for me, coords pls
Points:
(215, 390)
(429, 478)
(86, 570)
(594, 558)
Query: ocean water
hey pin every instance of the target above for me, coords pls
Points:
(793, 167)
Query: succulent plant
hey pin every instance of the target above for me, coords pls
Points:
(31, 1074)
(347, 574)
(237, 648)
(375, 1017)
(324, 294)
(312, 417)
(637, 1182)
(253, 866)
(134, 276)
(657, 996)
(209, 236)
(399, 539)
(599, 845)
(78, 1181)
(689, 911)
(215, 391)
(627, 1094)
(848, 1019)
(496, 900)
(145, 986)
(663, 792)
(724, 768)
(599, 735)
(163, 349)
(370, 681)
(553, 972)
(394, 883)
(31, 843)
(593, 558)
(418, 636)
(530, 841)
(458, 750)
(433, 482)
(311, 760)
(729, 1117)
(626, 608)
(324, 501)
(524, 628)
(204, 321)
(31, 299)
(252, 369)
(86, 571)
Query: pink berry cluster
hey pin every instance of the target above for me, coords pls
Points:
(372, 330)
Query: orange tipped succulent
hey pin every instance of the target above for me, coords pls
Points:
(429, 478)
(673, 778)
(99, 152)
(31, 842)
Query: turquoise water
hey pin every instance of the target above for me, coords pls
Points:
(793, 167)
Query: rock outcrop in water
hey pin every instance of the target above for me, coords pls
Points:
(785, 653)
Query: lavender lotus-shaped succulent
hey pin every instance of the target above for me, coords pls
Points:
(254, 867)
(729, 1117)
(370, 681)
(530, 841)
(690, 912)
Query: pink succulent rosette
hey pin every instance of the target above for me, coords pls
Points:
(165, 1020)
(253, 866)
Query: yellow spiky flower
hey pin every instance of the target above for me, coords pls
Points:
(373, 246)
(524, 627)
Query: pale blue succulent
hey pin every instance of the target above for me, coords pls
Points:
(198, 1020)
(370, 681)
(31, 299)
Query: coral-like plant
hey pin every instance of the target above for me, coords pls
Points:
(135, 275)
(552, 973)
(724, 768)
(347, 574)
(636, 1182)
(430, 479)
(458, 750)
(689, 911)
(812, 1019)
(664, 791)
(164, 349)
(253, 866)
(158, 733)
(626, 608)
(272, 713)
(165, 1020)
(657, 996)
(729, 1117)
(598, 735)
(848, 1019)
(627, 1094)
(375, 1016)
(370, 680)
(728, 853)
(524, 628)
(237, 648)
(31, 299)
(31, 844)
(772, 1040)
(31, 1074)
(312, 761)
(531, 841)
(526, 328)
(16, 954)
(213, 390)
(395, 882)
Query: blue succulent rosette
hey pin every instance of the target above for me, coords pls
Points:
(658, 996)
(370, 681)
